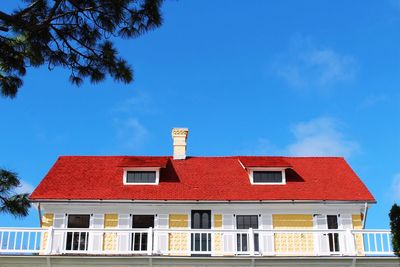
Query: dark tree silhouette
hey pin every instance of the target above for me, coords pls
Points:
(394, 216)
(75, 34)
(10, 202)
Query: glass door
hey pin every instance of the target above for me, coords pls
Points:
(77, 240)
(242, 239)
(333, 237)
(201, 242)
(139, 239)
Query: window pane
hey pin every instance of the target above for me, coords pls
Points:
(196, 220)
(205, 219)
(140, 176)
(267, 177)
(142, 221)
(256, 243)
(246, 221)
(254, 222)
(332, 222)
(78, 221)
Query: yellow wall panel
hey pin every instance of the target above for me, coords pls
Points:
(110, 220)
(357, 221)
(292, 221)
(178, 242)
(217, 220)
(357, 224)
(217, 237)
(178, 221)
(293, 243)
(47, 221)
(110, 239)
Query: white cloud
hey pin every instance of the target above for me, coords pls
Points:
(320, 137)
(396, 187)
(307, 65)
(141, 102)
(373, 100)
(131, 133)
(24, 187)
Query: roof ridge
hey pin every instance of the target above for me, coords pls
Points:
(227, 156)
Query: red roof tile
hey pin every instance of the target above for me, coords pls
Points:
(254, 161)
(201, 178)
(144, 162)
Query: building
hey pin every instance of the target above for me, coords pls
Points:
(184, 208)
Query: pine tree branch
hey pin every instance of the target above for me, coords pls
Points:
(52, 11)
(26, 10)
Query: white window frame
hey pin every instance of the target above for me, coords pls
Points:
(252, 170)
(157, 170)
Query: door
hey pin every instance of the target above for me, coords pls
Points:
(139, 240)
(333, 237)
(201, 242)
(242, 240)
(77, 240)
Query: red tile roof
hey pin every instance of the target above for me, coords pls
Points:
(201, 178)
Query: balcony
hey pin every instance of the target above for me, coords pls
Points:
(190, 242)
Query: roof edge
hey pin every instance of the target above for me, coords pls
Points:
(202, 201)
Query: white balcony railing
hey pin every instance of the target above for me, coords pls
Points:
(185, 242)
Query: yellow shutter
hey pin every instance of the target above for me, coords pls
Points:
(295, 243)
(217, 220)
(178, 241)
(47, 221)
(357, 224)
(217, 240)
(110, 239)
(178, 221)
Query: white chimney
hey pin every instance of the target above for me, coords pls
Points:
(179, 136)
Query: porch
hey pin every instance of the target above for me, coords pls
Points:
(255, 243)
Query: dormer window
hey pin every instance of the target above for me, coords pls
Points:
(141, 176)
(267, 176)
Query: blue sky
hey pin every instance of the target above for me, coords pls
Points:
(253, 77)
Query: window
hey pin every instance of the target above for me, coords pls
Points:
(246, 222)
(139, 240)
(268, 176)
(141, 176)
(77, 240)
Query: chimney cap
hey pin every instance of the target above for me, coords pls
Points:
(180, 131)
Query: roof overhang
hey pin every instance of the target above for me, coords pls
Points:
(203, 201)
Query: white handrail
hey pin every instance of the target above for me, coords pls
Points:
(154, 241)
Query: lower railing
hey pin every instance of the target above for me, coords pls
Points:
(186, 242)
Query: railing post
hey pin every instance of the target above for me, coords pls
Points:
(150, 241)
(251, 241)
(351, 242)
(49, 243)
